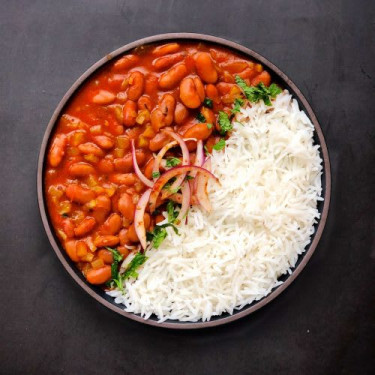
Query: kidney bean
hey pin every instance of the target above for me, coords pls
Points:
(209, 115)
(136, 85)
(167, 61)
(172, 77)
(180, 113)
(235, 66)
(211, 141)
(81, 169)
(57, 150)
(145, 102)
(68, 228)
(212, 93)
(85, 226)
(79, 194)
(147, 220)
(112, 225)
(157, 119)
(126, 206)
(106, 240)
(99, 276)
(105, 166)
(104, 141)
(129, 113)
(90, 148)
(158, 142)
(192, 92)
(70, 247)
(103, 202)
(165, 49)
(167, 106)
(125, 164)
(123, 178)
(226, 77)
(219, 56)
(132, 235)
(248, 73)
(106, 256)
(205, 67)
(263, 77)
(124, 240)
(125, 62)
(151, 85)
(198, 131)
(224, 88)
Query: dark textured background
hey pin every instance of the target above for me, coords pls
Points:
(324, 323)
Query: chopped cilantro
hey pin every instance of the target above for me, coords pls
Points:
(206, 151)
(224, 122)
(188, 177)
(219, 145)
(172, 213)
(172, 162)
(131, 270)
(207, 102)
(155, 174)
(238, 102)
(256, 93)
(159, 233)
(209, 126)
(200, 117)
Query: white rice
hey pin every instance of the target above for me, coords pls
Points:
(262, 219)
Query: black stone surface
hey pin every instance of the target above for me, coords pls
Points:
(324, 323)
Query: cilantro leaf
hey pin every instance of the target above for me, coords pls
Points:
(200, 117)
(159, 233)
(259, 92)
(117, 257)
(209, 126)
(172, 162)
(172, 213)
(206, 150)
(224, 122)
(219, 145)
(238, 102)
(136, 262)
(155, 174)
(207, 102)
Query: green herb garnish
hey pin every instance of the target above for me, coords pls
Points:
(219, 145)
(256, 93)
(116, 277)
(159, 233)
(207, 102)
(155, 174)
(209, 126)
(172, 213)
(172, 162)
(224, 122)
(131, 269)
(238, 102)
(200, 117)
(188, 177)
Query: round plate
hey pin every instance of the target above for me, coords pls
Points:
(97, 292)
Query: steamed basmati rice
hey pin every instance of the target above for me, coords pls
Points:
(262, 219)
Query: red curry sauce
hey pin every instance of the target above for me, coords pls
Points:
(91, 187)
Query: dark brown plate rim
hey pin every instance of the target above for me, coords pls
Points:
(68, 265)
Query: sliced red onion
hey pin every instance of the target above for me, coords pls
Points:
(139, 223)
(160, 156)
(138, 172)
(185, 190)
(176, 171)
(199, 156)
(185, 161)
(201, 188)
